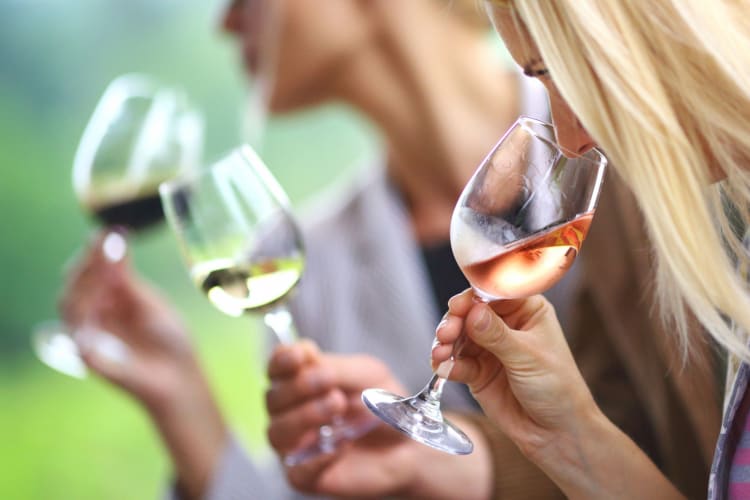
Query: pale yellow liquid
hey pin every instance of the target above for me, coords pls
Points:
(236, 288)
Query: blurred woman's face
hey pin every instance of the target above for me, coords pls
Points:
(300, 46)
(571, 136)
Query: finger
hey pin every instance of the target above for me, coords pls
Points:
(108, 249)
(286, 431)
(507, 306)
(490, 332)
(287, 359)
(449, 329)
(440, 353)
(357, 476)
(443, 352)
(309, 382)
(95, 276)
(470, 370)
(353, 373)
(97, 296)
(106, 355)
(459, 305)
(305, 476)
(518, 313)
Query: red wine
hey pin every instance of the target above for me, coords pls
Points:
(135, 214)
(531, 265)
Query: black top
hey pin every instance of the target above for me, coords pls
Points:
(446, 277)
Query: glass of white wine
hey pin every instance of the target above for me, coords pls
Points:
(516, 229)
(244, 251)
(140, 134)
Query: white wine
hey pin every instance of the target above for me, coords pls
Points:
(237, 287)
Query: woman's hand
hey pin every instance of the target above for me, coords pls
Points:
(519, 368)
(155, 362)
(101, 298)
(310, 388)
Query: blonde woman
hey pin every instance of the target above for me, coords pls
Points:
(664, 88)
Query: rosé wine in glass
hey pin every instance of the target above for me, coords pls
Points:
(516, 229)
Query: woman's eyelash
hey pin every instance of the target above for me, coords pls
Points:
(535, 72)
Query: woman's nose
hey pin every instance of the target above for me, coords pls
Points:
(573, 138)
(232, 20)
(571, 135)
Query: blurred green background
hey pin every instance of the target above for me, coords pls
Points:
(63, 438)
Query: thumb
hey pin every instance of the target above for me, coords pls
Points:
(489, 331)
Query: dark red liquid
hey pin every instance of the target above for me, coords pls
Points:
(136, 214)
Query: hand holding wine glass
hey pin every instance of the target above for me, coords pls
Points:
(515, 231)
(140, 134)
(127, 307)
(244, 251)
(518, 366)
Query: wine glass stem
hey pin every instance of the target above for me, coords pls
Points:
(429, 397)
(280, 321)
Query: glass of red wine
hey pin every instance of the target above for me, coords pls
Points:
(140, 134)
(516, 229)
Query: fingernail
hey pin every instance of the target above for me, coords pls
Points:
(435, 342)
(483, 321)
(114, 247)
(444, 368)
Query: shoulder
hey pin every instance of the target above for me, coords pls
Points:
(341, 207)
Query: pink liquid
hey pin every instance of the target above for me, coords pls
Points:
(531, 265)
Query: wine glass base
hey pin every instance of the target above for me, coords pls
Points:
(407, 415)
(330, 437)
(54, 347)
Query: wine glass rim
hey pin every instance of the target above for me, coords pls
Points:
(524, 120)
(248, 156)
(121, 89)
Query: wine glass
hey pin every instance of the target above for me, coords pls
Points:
(140, 134)
(516, 229)
(244, 251)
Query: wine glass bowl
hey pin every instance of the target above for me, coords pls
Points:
(522, 217)
(236, 233)
(140, 134)
(516, 229)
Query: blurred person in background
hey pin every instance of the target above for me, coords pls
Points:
(380, 271)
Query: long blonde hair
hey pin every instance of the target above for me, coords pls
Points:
(664, 87)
